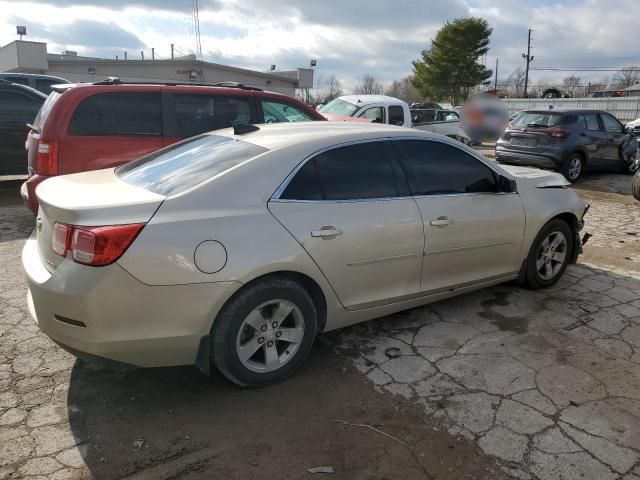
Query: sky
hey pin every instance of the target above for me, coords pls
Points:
(348, 38)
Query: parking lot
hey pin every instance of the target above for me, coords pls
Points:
(501, 383)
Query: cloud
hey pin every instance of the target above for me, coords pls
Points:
(84, 32)
(348, 39)
(172, 5)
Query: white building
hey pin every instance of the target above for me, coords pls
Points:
(32, 57)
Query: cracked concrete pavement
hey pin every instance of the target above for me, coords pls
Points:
(548, 381)
(546, 384)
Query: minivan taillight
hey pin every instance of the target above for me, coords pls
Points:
(95, 246)
(47, 158)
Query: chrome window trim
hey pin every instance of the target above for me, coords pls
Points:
(276, 195)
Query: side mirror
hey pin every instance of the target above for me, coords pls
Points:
(506, 185)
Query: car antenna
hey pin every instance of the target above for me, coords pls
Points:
(242, 128)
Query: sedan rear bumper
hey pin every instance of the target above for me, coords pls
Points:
(105, 312)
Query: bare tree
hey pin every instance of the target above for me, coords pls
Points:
(332, 89)
(538, 89)
(368, 85)
(404, 90)
(571, 86)
(599, 85)
(515, 82)
(329, 88)
(626, 77)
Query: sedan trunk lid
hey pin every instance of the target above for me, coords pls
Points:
(90, 199)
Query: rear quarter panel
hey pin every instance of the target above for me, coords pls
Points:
(232, 212)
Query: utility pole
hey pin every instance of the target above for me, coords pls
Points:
(529, 59)
(495, 80)
(172, 51)
(142, 54)
(153, 53)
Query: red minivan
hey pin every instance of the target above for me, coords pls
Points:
(84, 127)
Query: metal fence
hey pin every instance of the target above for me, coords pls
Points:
(625, 109)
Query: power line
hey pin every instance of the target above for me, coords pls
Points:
(559, 69)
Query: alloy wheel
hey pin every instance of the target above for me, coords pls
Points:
(575, 168)
(270, 335)
(552, 255)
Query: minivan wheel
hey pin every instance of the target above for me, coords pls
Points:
(549, 255)
(264, 333)
(572, 168)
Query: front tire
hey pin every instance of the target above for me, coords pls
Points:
(264, 333)
(572, 168)
(549, 255)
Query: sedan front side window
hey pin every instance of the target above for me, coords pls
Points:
(436, 168)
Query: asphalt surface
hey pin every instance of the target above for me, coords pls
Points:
(500, 383)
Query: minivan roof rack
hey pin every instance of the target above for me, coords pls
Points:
(236, 85)
(117, 81)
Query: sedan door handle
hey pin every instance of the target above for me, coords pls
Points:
(326, 232)
(441, 222)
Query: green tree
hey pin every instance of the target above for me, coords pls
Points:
(450, 67)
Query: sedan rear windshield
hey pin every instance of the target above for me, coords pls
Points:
(538, 119)
(184, 165)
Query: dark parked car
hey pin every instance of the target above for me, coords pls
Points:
(426, 106)
(570, 141)
(91, 126)
(18, 107)
(42, 83)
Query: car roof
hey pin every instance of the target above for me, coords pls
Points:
(31, 75)
(562, 110)
(321, 134)
(367, 99)
(175, 87)
(6, 85)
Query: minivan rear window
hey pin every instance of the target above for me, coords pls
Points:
(118, 113)
(538, 119)
(184, 165)
(48, 104)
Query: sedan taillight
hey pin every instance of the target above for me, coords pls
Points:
(94, 246)
(61, 238)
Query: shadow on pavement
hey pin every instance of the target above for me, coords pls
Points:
(177, 423)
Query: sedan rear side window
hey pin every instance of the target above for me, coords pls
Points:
(354, 172)
(186, 164)
(435, 168)
(118, 113)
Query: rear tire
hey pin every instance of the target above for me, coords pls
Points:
(264, 333)
(549, 255)
(572, 168)
(635, 185)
